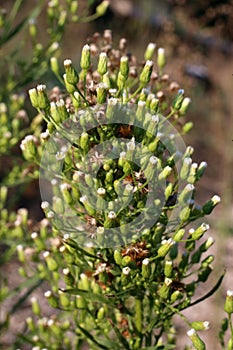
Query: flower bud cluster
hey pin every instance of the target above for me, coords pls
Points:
(145, 268)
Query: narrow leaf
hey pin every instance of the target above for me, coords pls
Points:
(119, 335)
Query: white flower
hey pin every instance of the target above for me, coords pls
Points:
(126, 270)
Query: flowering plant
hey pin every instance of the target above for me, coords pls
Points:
(122, 208)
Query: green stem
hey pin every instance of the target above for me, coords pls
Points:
(138, 322)
(231, 326)
(135, 93)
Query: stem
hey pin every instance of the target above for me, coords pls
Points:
(138, 322)
(231, 326)
(135, 93)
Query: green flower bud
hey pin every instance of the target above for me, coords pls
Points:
(207, 244)
(176, 295)
(125, 276)
(21, 254)
(124, 67)
(211, 204)
(54, 327)
(52, 300)
(164, 291)
(153, 145)
(184, 214)
(74, 7)
(102, 91)
(120, 81)
(51, 262)
(154, 105)
(32, 29)
(85, 58)
(200, 325)
(84, 141)
(127, 191)
(189, 152)
(187, 127)
(203, 275)
(62, 18)
(30, 324)
(89, 180)
(84, 282)
(140, 113)
(185, 105)
(95, 287)
(111, 108)
(29, 147)
(33, 97)
(52, 48)
(161, 61)
(165, 247)
(44, 136)
(64, 299)
(178, 100)
(117, 257)
(38, 241)
(207, 261)
(178, 236)
(101, 314)
(54, 65)
(102, 8)
(146, 268)
(196, 340)
(71, 88)
(68, 277)
(228, 307)
(80, 302)
(127, 261)
(35, 306)
(152, 127)
(168, 268)
(76, 100)
(146, 73)
(165, 173)
(151, 168)
(143, 95)
(186, 194)
(102, 64)
(106, 80)
(22, 272)
(90, 210)
(230, 344)
(42, 98)
(62, 111)
(199, 232)
(150, 96)
(185, 169)
(71, 74)
(110, 219)
(201, 169)
(66, 192)
(3, 195)
(149, 51)
(192, 173)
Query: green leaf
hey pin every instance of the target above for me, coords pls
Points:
(9, 33)
(13, 32)
(92, 338)
(160, 347)
(89, 295)
(211, 292)
(120, 336)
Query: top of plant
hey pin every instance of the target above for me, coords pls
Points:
(149, 174)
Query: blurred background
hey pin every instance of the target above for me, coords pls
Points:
(198, 39)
